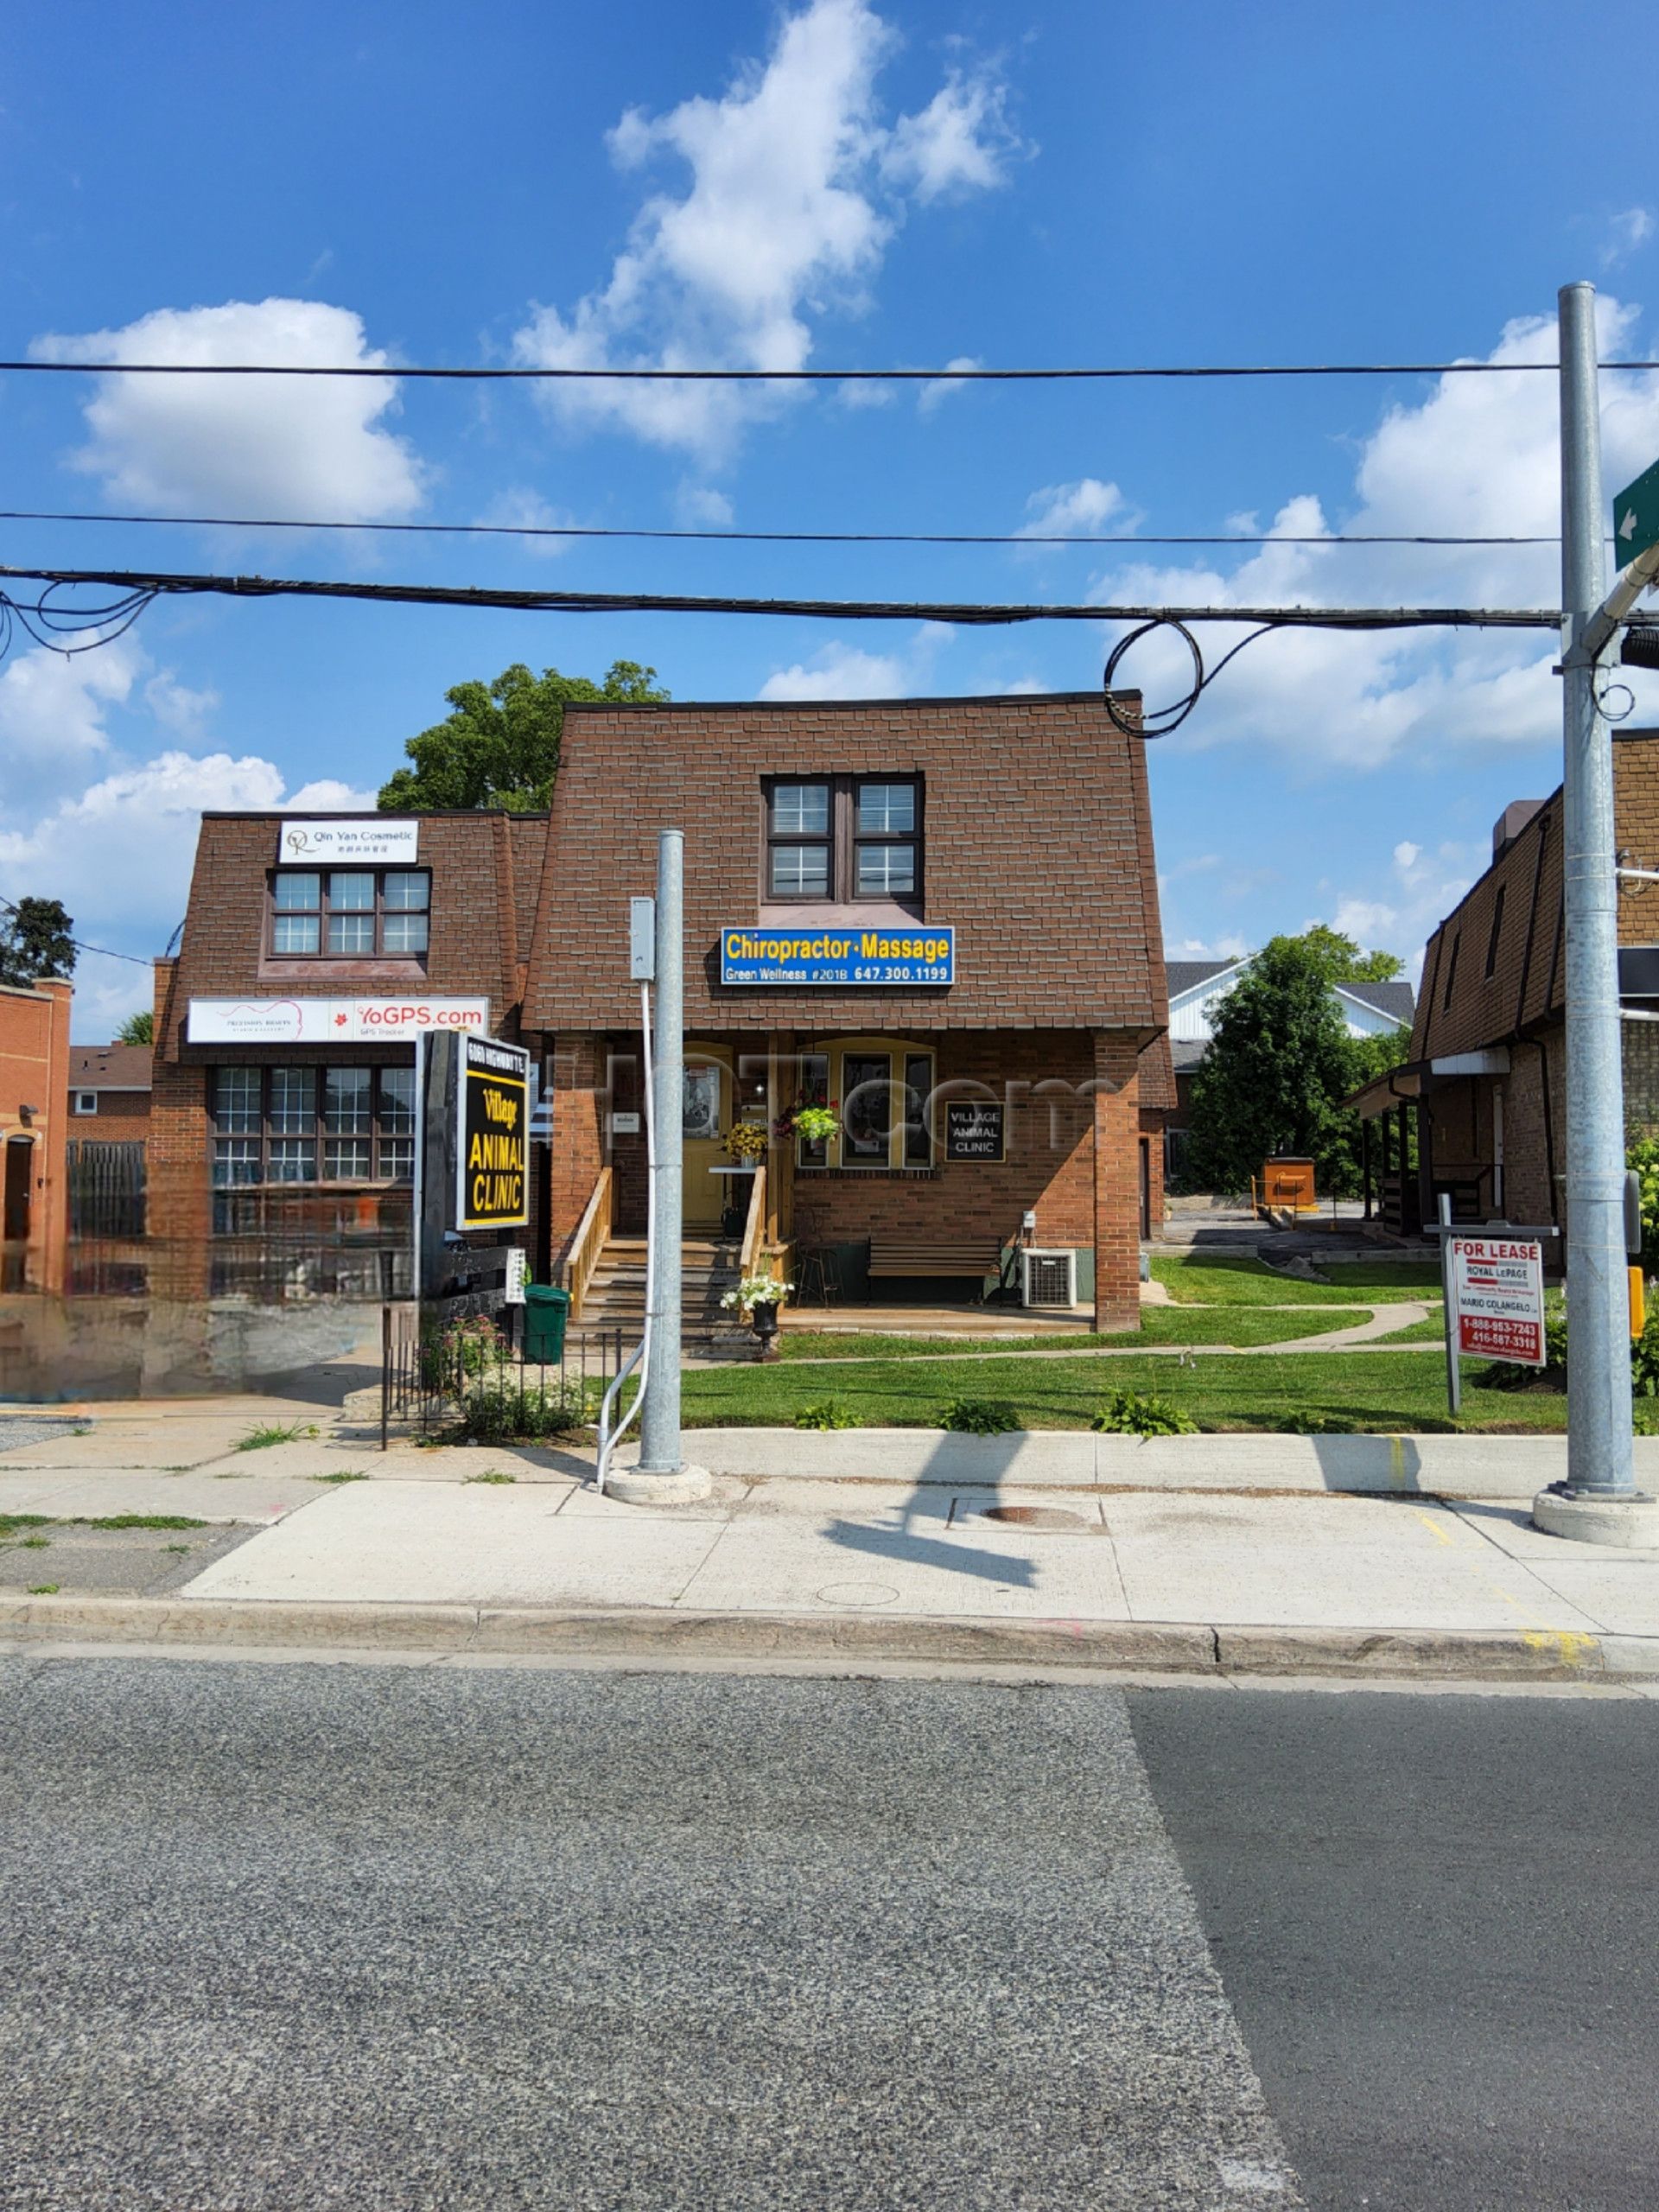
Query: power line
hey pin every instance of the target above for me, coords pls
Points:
(147, 584)
(607, 375)
(584, 530)
(102, 950)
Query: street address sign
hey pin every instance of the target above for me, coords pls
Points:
(1636, 517)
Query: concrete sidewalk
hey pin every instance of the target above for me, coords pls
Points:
(1411, 1553)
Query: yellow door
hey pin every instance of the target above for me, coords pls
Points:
(706, 1115)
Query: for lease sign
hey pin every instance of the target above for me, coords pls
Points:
(1497, 1295)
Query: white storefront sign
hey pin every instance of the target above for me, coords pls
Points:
(1498, 1297)
(328, 1021)
(386, 843)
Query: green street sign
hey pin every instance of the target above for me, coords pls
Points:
(1636, 517)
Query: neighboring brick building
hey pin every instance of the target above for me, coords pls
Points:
(109, 1093)
(34, 1093)
(1485, 1088)
(1022, 824)
(314, 949)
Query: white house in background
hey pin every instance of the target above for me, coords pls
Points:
(1198, 987)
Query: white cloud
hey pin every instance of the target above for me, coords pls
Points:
(780, 224)
(1072, 509)
(118, 849)
(938, 388)
(1627, 234)
(1477, 457)
(699, 507)
(52, 717)
(842, 671)
(1423, 888)
(291, 447)
(518, 508)
(959, 142)
(1406, 854)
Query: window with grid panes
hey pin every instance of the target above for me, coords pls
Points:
(349, 913)
(305, 1125)
(841, 840)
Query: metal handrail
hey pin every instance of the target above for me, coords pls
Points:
(609, 1438)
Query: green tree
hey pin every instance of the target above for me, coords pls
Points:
(1279, 1061)
(35, 944)
(137, 1029)
(500, 744)
(1341, 959)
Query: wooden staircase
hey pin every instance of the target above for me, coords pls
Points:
(615, 1297)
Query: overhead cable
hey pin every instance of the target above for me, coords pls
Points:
(150, 583)
(584, 530)
(607, 374)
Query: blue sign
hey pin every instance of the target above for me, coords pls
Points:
(855, 959)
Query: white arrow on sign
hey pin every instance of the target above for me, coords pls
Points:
(1627, 528)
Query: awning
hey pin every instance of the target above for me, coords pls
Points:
(1385, 1092)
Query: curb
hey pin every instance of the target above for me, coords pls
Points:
(659, 1633)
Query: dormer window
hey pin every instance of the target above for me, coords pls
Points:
(349, 913)
(841, 840)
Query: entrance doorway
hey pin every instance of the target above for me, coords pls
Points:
(19, 1189)
(705, 1116)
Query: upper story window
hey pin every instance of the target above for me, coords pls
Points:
(86, 1101)
(349, 913)
(1498, 932)
(840, 839)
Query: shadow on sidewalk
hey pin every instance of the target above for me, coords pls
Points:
(927, 1508)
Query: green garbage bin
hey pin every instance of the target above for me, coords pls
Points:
(545, 1313)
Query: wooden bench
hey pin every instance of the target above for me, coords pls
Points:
(977, 1256)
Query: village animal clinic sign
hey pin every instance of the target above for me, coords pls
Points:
(492, 1154)
(1496, 1288)
(831, 959)
(385, 843)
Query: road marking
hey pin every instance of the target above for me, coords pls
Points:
(1435, 1530)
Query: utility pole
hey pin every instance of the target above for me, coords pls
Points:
(662, 1476)
(1598, 1499)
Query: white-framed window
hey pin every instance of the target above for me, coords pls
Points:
(310, 1124)
(86, 1101)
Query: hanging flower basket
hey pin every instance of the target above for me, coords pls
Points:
(809, 1120)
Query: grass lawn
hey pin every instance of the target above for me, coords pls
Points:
(1220, 1278)
(1159, 1324)
(1377, 1391)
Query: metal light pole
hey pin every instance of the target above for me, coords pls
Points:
(660, 1428)
(1600, 1464)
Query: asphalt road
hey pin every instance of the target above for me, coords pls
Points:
(1437, 1921)
(283, 1935)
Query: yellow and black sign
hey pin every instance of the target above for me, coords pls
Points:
(492, 1170)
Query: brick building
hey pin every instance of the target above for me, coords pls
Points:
(34, 1093)
(1478, 1109)
(109, 1093)
(314, 950)
(1010, 1094)
(1020, 1101)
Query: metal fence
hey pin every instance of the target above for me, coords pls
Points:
(460, 1362)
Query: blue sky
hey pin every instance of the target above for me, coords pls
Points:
(830, 183)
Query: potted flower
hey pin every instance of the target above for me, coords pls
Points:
(745, 1142)
(757, 1297)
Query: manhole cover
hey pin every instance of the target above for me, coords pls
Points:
(857, 1593)
(1036, 1516)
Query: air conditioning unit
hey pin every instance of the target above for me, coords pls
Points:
(1048, 1278)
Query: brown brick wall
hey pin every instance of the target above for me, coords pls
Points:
(34, 1072)
(1529, 982)
(478, 907)
(1038, 850)
(122, 1117)
(1117, 1176)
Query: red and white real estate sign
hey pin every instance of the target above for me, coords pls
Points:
(1498, 1297)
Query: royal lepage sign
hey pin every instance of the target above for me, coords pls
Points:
(1498, 1297)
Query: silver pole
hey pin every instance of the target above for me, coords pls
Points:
(1599, 1461)
(659, 1426)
